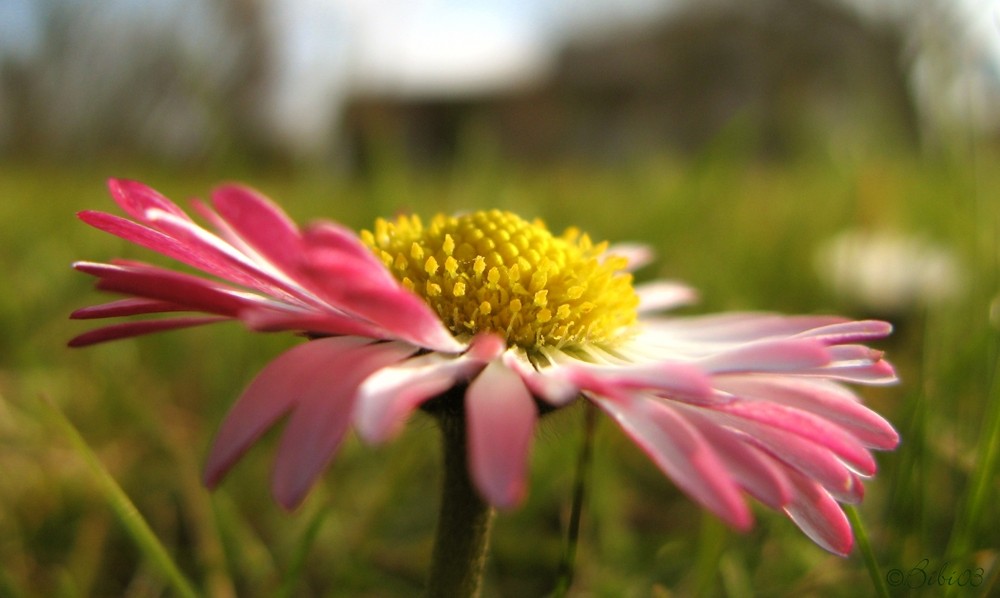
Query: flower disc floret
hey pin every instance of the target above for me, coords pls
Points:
(493, 271)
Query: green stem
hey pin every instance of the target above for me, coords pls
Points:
(464, 522)
(567, 567)
(866, 552)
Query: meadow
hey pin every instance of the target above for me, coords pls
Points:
(100, 446)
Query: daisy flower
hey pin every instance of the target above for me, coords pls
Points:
(495, 318)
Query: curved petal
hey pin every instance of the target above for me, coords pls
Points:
(756, 471)
(271, 394)
(811, 459)
(671, 378)
(323, 413)
(385, 303)
(500, 415)
(548, 383)
(804, 424)
(135, 198)
(819, 516)
(682, 453)
(782, 355)
(262, 225)
(824, 398)
(387, 397)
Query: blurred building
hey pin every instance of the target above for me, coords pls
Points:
(788, 73)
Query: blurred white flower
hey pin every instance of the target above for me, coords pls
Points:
(889, 273)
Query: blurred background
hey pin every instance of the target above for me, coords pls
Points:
(316, 81)
(788, 155)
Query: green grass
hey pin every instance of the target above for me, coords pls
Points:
(742, 232)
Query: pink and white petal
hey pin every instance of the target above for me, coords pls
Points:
(388, 397)
(171, 247)
(322, 415)
(135, 198)
(740, 327)
(825, 398)
(680, 380)
(139, 328)
(812, 460)
(681, 452)
(781, 355)
(500, 418)
(754, 470)
(384, 303)
(151, 282)
(272, 394)
(261, 274)
(811, 427)
(261, 224)
(850, 332)
(550, 383)
(270, 319)
(878, 373)
(664, 295)
(819, 516)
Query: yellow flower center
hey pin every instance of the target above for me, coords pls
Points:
(493, 271)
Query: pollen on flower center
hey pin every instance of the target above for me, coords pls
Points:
(493, 271)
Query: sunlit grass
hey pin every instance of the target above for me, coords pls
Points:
(743, 232)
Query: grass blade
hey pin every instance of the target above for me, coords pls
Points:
(133, 522)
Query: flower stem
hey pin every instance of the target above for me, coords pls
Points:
(464, 522)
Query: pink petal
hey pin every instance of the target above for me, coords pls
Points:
(268, 319)
(551, 384)
(261, 224)
(678, 449)
(132, 306)
(226, 259)
(272, 393)
(332, 237)
(782, 355)
(389, 395)
(824, 398)
(135, 198)
(675, 379)
(743, 326)
(809, 458)
(500, 415)
(850, 332)
(130, 329)
(819, 516)
(366, 293)
(172, 248)
(802, 423)
(151, 282)
(752, 468)
(663, 295)
(322, 415)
